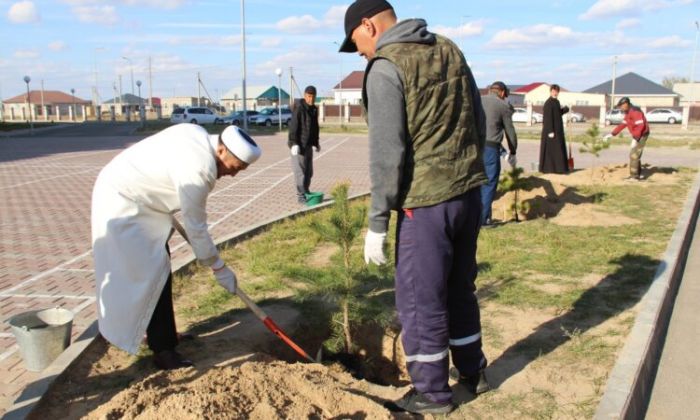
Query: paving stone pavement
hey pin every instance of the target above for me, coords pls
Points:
(45, 192)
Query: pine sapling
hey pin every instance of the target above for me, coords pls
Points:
(512, 181)
(343, 227)
(593, 144)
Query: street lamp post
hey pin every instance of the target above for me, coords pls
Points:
(27, 79)
(340, 88)
(131, 67)
(279, 95)
(243, 64)
(141, 114)
(72, 92)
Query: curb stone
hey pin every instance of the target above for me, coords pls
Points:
(632, 378)
(34, 392)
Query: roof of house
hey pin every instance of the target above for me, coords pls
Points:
(632, 84)
(50, 97)
(526, 88)
(353, 81)
(127, 99)
(254, 92)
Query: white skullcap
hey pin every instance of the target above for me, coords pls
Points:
(240, 144)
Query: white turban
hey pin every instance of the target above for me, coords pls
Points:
(240, 144)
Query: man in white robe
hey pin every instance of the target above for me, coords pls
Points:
(133, 202)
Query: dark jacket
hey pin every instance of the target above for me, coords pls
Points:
(426, 124)
(303, 128)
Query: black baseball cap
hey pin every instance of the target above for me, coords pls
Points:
(623, 100)
(310, 90)
(353, 17)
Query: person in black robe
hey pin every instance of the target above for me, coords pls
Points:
(553, 157)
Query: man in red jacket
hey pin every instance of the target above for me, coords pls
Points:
(637, 124)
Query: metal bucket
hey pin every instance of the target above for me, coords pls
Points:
(42, 335)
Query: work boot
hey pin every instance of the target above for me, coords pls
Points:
(475, 383)
(417, 403)
(170, 359)
(185, 337)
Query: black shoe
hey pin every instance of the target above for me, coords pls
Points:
(170, 359)
(301, 200)
(475, 383)
(185, 337)
(488, 224)
(416, 403)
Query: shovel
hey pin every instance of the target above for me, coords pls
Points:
(266, 320)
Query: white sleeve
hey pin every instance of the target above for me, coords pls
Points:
(193, 191)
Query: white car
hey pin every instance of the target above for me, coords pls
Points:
(615, 116)
(195, 115)
(575, 117)
(664, 115)
(520, 115)
(270, 116)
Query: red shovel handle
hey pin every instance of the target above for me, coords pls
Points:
(270, 324)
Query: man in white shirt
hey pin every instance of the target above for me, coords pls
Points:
(133, 202)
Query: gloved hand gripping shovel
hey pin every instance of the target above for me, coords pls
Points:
(266, 320)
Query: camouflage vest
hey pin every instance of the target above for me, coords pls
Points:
(445, 158)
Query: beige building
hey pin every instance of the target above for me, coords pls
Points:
(690, 92)
(538, 93)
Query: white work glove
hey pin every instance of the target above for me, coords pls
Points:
(512, 160)
(295, 150)
(633, 144)
(550, 135)
(607, 137)
(225, 276)
(317, 149)
(374, 248)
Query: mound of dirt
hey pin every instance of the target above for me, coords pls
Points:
(614, 175)
(262, 388)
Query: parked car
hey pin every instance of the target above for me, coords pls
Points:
(270, 116)
(195, 115)
(236, 117)
(575, 117)
(520, 115)
(614, 116)
(664, 115)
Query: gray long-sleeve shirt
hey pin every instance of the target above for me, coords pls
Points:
(388, 129)
(499, 119)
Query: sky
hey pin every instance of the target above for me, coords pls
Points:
(80, 44)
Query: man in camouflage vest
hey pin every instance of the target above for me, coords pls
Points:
(426, 138)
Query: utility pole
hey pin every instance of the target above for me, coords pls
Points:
(199, 90)
(120, 94)
(150, 83)
(695, 56)
(614, 76)
(43, 111)
(291, 87)
(243, 63)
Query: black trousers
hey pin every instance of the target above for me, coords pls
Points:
(161, 331)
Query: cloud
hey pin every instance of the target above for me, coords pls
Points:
(669, 42)
(26, 54)
(467, 30)
(542, 35)
(627, 23)
(305, 24)
(299, 24)
(158, 4)
(23, 12)
(57, 46)
(271, 42)
(611, 8)
(101, 15)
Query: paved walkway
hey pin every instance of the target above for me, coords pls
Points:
(675, 390)
(45, 258)
(45, 189)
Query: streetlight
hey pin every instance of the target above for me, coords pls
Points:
(278, 72)
(243, 81)
(131, 67)
(72, 92)
(340, 87)
(138, 83)
(27, 79)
